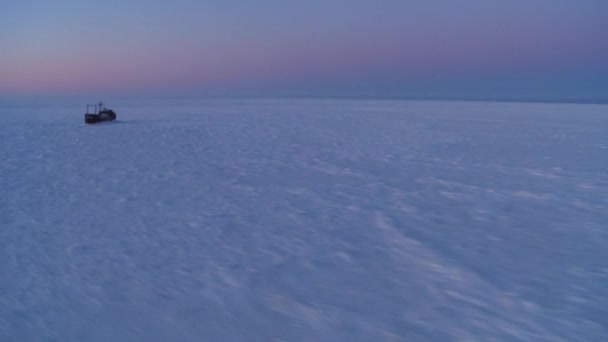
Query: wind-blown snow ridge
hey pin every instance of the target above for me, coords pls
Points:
(305, 220)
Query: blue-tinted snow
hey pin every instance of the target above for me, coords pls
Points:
(305, 221)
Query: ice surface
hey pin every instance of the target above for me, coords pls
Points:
(260, 220)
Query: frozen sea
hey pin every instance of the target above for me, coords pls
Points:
(304, 220)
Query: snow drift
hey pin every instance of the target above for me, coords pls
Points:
(302, 220)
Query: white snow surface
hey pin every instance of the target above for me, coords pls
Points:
(304, 220)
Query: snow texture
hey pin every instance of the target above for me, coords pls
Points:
(301, 220)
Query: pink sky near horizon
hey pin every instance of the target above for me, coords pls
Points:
(464, 49)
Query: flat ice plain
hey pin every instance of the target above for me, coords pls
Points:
(302, 220)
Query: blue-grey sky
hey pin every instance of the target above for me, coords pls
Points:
(470, 49)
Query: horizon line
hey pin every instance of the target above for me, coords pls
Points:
(52, 99)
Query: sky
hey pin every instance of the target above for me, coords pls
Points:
(542, 50)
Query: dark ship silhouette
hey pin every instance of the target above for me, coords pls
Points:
(99, 114)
